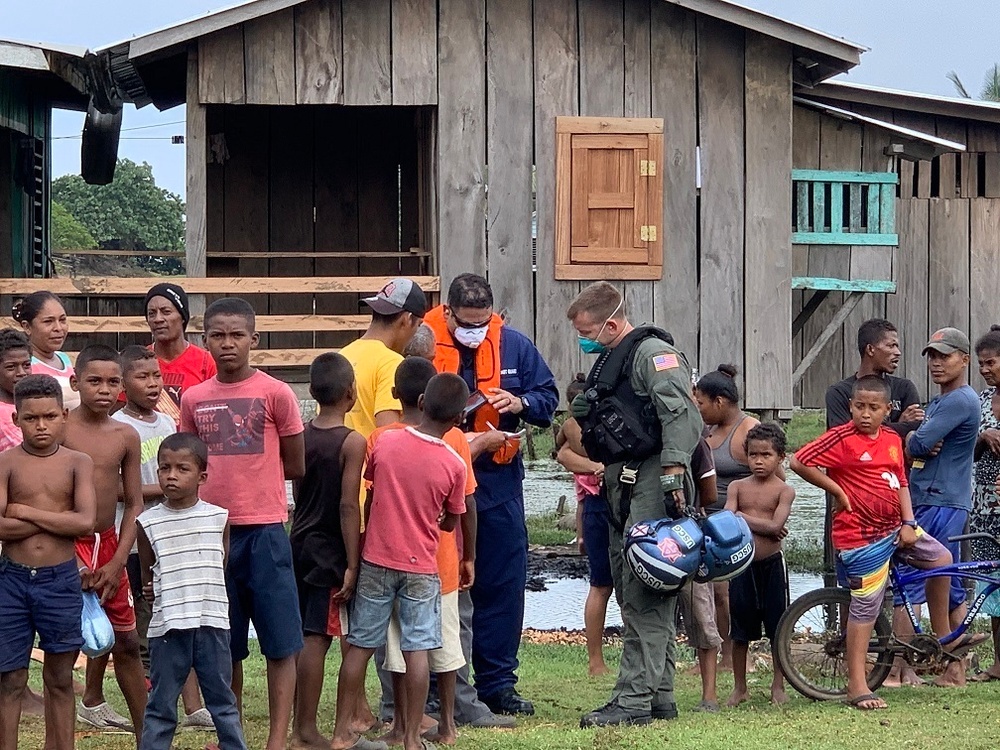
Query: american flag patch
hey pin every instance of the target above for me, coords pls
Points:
(665, 362)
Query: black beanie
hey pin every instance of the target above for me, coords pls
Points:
(175, 295)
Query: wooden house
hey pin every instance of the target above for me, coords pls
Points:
(331, 143)
(34, 79)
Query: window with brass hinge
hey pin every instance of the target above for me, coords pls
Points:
(609, 198)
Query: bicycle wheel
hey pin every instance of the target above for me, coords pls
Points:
(811, 645)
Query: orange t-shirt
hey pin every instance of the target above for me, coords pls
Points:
(447, 554)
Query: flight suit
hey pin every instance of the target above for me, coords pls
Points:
(646, 675)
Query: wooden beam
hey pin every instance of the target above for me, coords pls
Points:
(874, 286)
(266, 255)
(832, 327)
(265, 323)
(806, 312)
(113, 286)
(271, 357)
(119, 253)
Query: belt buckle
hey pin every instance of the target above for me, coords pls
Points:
(628, 476)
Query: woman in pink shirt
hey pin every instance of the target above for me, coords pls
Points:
(43, 318)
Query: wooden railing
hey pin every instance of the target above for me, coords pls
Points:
(844, 208)
(111, 287)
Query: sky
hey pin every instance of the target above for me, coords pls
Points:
(913, 44)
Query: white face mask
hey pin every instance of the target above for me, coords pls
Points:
(470, 337)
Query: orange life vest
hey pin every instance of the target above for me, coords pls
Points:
(447, 358)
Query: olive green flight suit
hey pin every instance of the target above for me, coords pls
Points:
(646, 675)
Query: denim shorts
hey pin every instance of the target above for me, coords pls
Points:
(45, 600)
(418, 597)
(261, 587)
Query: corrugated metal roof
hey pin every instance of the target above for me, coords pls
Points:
(948, 106)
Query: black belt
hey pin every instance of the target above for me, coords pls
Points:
(627, 480)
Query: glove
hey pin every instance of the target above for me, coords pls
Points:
(673, 494)
(579, 407)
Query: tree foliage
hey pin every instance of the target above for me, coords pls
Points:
(67, 232)
(131, 212)
(990, 90)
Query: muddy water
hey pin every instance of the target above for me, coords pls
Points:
(561, 604)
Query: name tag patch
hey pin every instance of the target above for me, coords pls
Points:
(665, 362)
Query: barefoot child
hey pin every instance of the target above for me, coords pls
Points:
(592, 529)
(115, 450)
(183, 543)
(325, 536)
(15, 364)
(46, 502)
(253, 429)
(411, 379)
(418, 489)
(759, 595)
(872, 522)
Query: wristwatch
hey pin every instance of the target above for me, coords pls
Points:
(912, 524)
(524, 401)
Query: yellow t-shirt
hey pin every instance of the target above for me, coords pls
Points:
(374, 374)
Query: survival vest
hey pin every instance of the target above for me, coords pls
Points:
(621, 424)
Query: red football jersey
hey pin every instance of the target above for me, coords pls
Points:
(870, 470)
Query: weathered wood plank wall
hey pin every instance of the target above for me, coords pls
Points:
(948, 223)
(499, 73)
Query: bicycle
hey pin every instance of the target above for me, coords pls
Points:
(810, 644)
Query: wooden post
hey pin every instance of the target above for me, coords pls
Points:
(196, 142)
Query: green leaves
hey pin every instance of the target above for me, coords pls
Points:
(67, 232)
(132, 210)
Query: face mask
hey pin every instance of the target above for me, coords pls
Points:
(470, 337)
(594, 346)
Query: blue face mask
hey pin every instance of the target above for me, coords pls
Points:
(589, 346)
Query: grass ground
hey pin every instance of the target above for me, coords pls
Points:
(554, 676)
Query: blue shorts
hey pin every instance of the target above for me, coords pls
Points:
(43, 600)
(596, 537)
(261, 587)
(940, 523)
(416, 596)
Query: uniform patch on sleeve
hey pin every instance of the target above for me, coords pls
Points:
(665, 362)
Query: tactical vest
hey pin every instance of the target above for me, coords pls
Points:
(621, 425)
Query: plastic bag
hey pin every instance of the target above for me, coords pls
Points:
(98, 635)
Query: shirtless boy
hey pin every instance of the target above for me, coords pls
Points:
(46, 502)
(759, 595)
(116, 452)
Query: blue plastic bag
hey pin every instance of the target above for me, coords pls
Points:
(98, 635)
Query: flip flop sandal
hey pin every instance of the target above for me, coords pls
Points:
(856, 702)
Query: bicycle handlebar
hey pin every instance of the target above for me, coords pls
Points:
(980, 535)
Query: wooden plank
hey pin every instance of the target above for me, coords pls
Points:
(367, 28)
(948, 274)
(221, 75)
(580, 183)
(991, 187)
(836, 208)
(414, 52)
(618, 272)
(984, 270)
(768, 251)
(843, 238)
(615, 254)
(136, 324)
(639, 297)
(564, 199)
(907, 308)
(610, 141)
(461, 138)
(721, 86)
(229, 287)
(196, 181)
(509, 146)
(969, 165)
(952, 130)
(602, 60)
(269, 53)
(611, 200)
(269, 357)
(874, 286)
(833, 175)
(319, 53)
(336, 195)
(854, 209)
(411, 253)
(556, 87)
(674, 96)
(608, 124)
(291, 212)
(805, 155)
(654, 200)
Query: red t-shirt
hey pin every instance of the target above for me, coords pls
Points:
(10, 433)
(871, 471)
(447, 554)
(242, 424)
(413, 477)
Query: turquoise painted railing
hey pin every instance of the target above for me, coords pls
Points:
(844, 208)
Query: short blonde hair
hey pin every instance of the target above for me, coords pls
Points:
(600, 300)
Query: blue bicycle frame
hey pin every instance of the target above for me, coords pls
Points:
(977, 571)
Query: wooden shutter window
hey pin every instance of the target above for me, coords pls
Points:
(609, 198)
